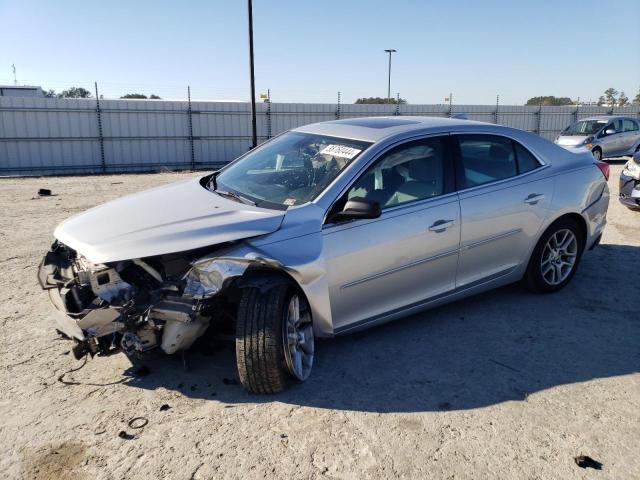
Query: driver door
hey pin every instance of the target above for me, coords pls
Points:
(409, 253)
(612, 144)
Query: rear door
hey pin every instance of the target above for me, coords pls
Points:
(503, 202)
(630, 135)
(612, 143)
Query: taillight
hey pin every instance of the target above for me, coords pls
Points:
(604, 168)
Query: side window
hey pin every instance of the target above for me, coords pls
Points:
(629, 125)
(526, 160)
(486, 158)
(413, 171)
(615, 125)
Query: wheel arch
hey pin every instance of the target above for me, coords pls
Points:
(576, 217)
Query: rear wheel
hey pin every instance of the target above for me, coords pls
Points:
(597, 154)
(274, 339)
(556, 257)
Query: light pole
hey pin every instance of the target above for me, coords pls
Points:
(254, 135)
(389, 51)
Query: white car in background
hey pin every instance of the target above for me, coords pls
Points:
(604, 136)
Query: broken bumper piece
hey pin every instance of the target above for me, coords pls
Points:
(128, 306)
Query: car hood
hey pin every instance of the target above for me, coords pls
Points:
(570, 140)
(174, 218)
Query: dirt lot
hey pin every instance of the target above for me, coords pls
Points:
(504, 385)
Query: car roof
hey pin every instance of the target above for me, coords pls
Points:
(603, 117)
(374, 129)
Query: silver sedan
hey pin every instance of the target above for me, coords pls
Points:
(326, 229)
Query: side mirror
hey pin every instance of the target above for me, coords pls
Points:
(358, 208)
(609, 131)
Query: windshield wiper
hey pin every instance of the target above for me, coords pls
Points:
(236, 197)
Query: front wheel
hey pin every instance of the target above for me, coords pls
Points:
(274, 339)
(597, 154)
(555, 259)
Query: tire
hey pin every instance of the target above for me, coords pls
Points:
(597, 154)
(538, 278)
(262, 355)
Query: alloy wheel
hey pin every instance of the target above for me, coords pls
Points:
(559, 257)
(298, 339)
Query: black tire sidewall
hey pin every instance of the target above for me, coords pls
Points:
(262, 366)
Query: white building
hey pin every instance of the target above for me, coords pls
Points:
(21, 91)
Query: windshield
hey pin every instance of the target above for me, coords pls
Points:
(291, 169)
(584, 127)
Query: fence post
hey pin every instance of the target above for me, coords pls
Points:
(101, 138)
(575, 114)
(268, 114)
(450, 105)
(539, 113)
(190, 120)
(397, 112)
(496, 112)
(338, 108)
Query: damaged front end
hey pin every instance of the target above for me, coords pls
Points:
(132, 305)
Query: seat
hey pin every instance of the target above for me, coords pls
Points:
(426, 180)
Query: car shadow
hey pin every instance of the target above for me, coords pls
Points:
(500, 346)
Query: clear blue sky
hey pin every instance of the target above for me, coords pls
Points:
(308, 50)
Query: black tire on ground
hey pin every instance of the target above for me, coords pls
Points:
(259, 348)
(533, 278)
(597, 154)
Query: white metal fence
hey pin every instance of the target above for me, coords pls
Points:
(42, 136)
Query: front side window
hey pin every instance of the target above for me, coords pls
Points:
(411, 172)
(486, 158)
(629, 125)
(616, 126)
(292, 169)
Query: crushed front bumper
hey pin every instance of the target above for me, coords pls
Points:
(104, 311)
(629, 192)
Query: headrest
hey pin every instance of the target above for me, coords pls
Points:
(420, 169)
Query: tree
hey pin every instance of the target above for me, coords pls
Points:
(134, 95)
(550, 100)
(141, 96)
(379, 100)
(623, 100)
(50, 94)
(610, 96)
(75, 92)
(601, 101)
(636, 100)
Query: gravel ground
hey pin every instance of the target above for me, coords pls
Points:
(503, 385)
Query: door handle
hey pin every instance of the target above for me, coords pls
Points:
(441, 225)
(533, 198)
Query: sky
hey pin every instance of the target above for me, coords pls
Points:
(307, 51)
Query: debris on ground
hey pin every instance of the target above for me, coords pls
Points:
(138, 422)
(126, 436)
(165, 407)
(44, 192)
(585, 461)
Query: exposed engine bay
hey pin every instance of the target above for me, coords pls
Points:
(132, 305)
